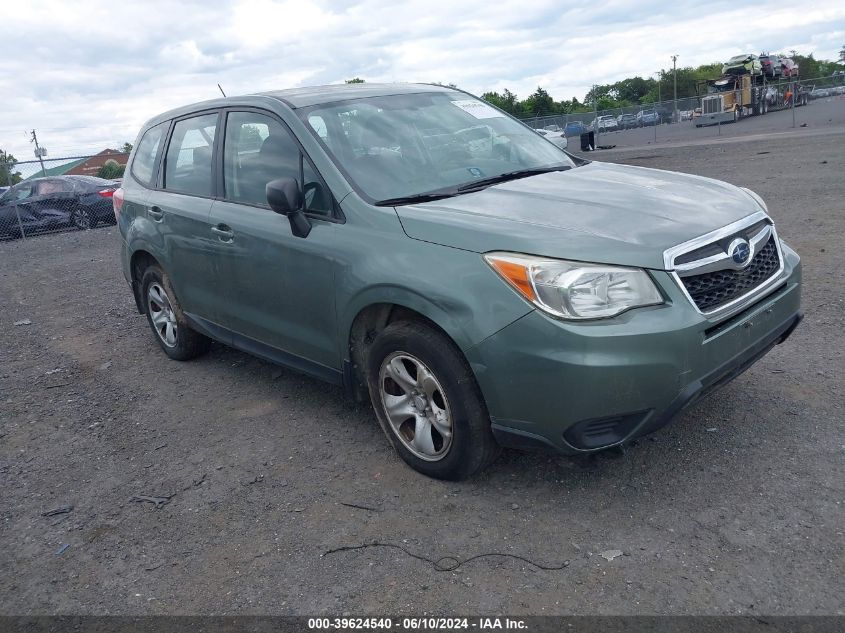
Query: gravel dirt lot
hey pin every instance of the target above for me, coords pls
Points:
(735, 508)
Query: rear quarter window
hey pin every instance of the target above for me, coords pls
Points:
(144, 161)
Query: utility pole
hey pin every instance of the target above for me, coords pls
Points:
(675, 77)
(39, 153)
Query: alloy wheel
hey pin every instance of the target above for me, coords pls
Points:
(415, 406)
(161, 314)
(81, 219)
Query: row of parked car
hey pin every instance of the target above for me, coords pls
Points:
(607, 123)
(627, 121)
(821, 93)
(58, 202)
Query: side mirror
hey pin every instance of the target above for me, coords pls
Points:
(283, 195)
(564, 143)
(285, 198)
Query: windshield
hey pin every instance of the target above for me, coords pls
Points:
(402, 146)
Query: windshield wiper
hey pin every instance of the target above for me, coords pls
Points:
(416, 197)
(475, 185)
(509, 175)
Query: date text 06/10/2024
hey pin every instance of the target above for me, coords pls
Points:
(417, 624)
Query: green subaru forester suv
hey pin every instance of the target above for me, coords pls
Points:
(416, 245)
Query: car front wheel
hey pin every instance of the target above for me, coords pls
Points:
(428, 403)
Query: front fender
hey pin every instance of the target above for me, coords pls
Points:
(455, 289)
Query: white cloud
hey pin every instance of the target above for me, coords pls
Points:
(87, 74)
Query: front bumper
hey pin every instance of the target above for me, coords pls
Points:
(580, 387)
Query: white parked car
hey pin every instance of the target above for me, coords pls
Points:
(556, 137)
(606, 123)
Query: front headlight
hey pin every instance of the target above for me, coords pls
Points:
(574, 290)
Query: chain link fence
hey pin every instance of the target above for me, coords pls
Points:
(58, 194)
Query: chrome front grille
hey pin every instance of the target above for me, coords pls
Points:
(711, 290)
(711, 105)
(726, 270)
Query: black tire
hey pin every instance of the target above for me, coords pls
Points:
(187, 344)
(472, 445)
(83, 219)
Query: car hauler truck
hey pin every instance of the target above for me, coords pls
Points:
(732, 97)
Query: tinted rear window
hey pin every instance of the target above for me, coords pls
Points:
(144, 161)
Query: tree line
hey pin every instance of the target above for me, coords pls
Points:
(635, 91)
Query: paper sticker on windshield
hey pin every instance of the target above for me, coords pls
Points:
(477, 109)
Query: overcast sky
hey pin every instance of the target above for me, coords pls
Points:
(86, 74)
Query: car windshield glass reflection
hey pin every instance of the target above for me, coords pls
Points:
(403, 146)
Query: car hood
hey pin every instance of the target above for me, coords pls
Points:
(599, 212)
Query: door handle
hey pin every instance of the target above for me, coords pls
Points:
(156, 213)
(223, 232)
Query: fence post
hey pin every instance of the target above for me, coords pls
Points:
(793, 90)
(6, 171)
(20, 224)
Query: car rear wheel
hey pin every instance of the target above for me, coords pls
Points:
(428, 403)
(167, 320)
(82, 219)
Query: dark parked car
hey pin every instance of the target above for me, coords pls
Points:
(627, 121)
(44, 204)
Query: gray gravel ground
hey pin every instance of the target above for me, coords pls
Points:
(736, 508)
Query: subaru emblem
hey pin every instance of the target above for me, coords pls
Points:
(740, 251)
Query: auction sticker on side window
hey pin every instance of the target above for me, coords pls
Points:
(477, 109)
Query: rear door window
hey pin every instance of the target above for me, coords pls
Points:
(50, 187)
(188, 164)
(146, 155)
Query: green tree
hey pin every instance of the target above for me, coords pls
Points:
(809, 66)
(539, 103)
(355, 80)
(126, 148)
(632, 89)
(506, 101)
(8, 175)
(111, 169)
